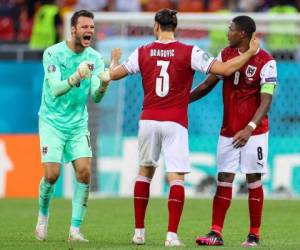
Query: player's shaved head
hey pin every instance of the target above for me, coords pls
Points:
(246, 24)
(167, 19)
(77, 14)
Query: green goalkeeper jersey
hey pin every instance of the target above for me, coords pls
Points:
(69, 110)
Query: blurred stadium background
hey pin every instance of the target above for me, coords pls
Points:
(114, 123)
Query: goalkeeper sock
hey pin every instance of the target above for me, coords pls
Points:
(141, 198)
(175, 204)
(45, 195)
(79, 203)
(221, 203)
(255, 202)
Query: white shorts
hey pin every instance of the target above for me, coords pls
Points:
(170, 138)
(252, 158)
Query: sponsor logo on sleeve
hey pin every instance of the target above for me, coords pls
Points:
(205, 57)
(271, 79)
(51, 68)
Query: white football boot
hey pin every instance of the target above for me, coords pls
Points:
(139, 236)
(41, 229)
(75, 235)
(173, 240)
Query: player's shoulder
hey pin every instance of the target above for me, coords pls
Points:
(159, 44)
(148, 46)
(264, 55)
(229, 51)
(54, 49)
(185, 45)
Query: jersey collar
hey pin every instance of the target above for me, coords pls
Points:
(171, 41)
(254, 54)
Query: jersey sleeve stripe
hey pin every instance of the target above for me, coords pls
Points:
(210, 65)
(124, 66)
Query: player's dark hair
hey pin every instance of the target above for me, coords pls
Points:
(167, 19)
(80, 13)
(246, 24)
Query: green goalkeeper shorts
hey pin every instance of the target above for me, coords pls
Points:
(58, 146)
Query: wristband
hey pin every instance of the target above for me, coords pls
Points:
(252, 125)
(79, 74)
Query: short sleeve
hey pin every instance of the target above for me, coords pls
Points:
(219, 56)
(201, 61)
(51, 66)
(268, 73)
(132, 64)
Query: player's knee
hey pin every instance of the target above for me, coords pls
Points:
(84, 175)
(147, 171)
(226, 177)
(253, 177)
(51, 178)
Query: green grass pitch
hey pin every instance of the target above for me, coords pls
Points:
(109, 224)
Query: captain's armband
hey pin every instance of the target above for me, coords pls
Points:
(268, 88)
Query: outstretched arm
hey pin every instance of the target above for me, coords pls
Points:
(204, 88)
(232, 65)
(116, 70)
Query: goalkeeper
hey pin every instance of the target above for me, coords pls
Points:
(71, 73)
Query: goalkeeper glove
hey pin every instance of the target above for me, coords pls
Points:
(105, 76)
(103, 86)
(84, 70)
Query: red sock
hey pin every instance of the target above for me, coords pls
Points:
(175, 204)
(255, 202)
(141, 197)
(221, 204)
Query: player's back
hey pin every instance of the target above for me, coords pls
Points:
(167, 78)
(241, 92)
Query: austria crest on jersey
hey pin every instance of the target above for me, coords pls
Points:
(250, 70)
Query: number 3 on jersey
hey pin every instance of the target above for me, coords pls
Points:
(162, 82)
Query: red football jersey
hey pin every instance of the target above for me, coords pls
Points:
(241, 91)
(167, 71)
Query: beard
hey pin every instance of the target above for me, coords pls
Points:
(78, 42)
